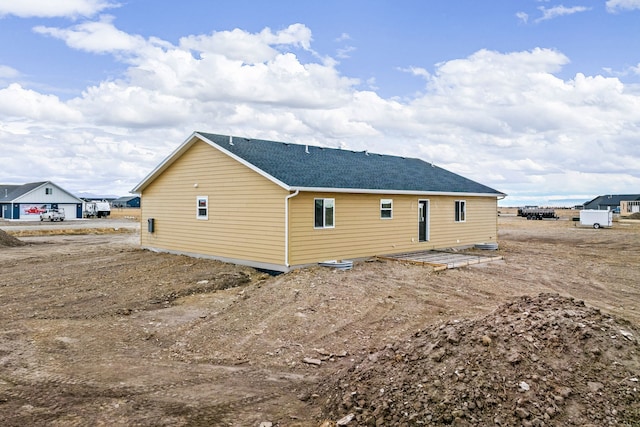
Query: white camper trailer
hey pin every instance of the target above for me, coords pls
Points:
(596, 218)
(96, 209)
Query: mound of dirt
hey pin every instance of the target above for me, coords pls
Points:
(634, 216)
(537, 361)
(8, 240)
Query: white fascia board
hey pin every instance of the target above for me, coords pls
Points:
(186, 145)
(245, 163)
(28, 193)
(400, 192)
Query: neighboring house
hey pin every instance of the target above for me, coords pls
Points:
(126, 202)
(280, 206)
(630, 207)
(25, 202)
(610, 201)
(98, 199)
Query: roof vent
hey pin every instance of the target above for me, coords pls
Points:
(366, 153)
(306, 149)
(230, 140)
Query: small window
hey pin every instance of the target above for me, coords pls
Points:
(202, 207)
(461, 210)
(48, 190)
(386, 208)
(324, 216)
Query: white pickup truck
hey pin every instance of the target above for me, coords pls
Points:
(52, 215)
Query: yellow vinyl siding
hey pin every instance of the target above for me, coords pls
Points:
(246, 211)
(360, 232)
(480, 225)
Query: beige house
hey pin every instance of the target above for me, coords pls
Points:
(280, 206)
(629, 207)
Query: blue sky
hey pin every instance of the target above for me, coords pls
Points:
(538, 99)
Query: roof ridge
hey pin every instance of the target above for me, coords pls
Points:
(326, 168)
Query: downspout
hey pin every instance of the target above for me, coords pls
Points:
(497, 222)
(286, 226)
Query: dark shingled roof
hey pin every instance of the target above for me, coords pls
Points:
(610, 200)
(300, 166)
(14, 191)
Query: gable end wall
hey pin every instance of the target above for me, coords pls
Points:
(246, 211)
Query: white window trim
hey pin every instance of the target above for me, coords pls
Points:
(460, 212)
(390, 209)
(324, 213)
(206, 207)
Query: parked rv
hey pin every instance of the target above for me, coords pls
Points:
(96, 209)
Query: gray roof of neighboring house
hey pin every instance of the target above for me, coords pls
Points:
(10, 192)
(306, 167)
(125, 199)
(611, 199)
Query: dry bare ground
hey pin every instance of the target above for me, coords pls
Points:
(97, 332)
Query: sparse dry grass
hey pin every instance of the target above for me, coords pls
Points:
(68, 232)
(125, 213)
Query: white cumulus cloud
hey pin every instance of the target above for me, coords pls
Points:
(17, 103)
(54, 8)
(8, 72)
(556, 11)
(502, 118)
(614, 6)
(97, 37)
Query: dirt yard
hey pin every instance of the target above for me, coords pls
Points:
(94, 331)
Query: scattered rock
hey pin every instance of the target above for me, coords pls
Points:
(312, 361)
(595, 386)
(628, 335)
(345, 420)
(522, 413)
(514, 357)
(524, 364)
